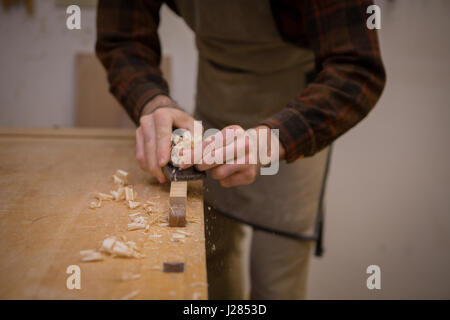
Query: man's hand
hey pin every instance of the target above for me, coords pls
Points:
(242, 172)
(153, 136)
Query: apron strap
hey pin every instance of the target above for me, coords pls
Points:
(320, 214)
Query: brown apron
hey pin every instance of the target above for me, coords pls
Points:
(246, 74)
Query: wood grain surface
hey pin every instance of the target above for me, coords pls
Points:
(47, 180)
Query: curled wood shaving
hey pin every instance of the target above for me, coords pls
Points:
(136, 226)
(119, 194)
(119, 248)
(129, 194)
(103, 196)
(90, 256)
(107, 245)
(133, 204)
(138, 223)
(122, 174)
(94, 205)
(118, 181)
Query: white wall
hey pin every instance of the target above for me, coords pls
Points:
(388, 197)
(37, 76)
(37, 63)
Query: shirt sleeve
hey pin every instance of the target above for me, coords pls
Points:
(350, 77)
(129, 48)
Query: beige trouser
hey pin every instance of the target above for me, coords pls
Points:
(278, 265)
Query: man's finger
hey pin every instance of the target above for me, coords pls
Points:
(149, 133)
(225, 170)
(140, 155)
(234, 152)
(182, 120)
(163, 129)
(239, 178)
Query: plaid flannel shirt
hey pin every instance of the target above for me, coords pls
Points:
(349, 71)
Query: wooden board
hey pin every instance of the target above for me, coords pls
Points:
(95, 106)
(47, 179)
(177, 203)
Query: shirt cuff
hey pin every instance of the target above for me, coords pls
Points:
(139, 98)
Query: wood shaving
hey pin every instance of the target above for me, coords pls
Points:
(107, 245)
(129, 194)
(122, 174)
(118, 248)
(138, 223)
(118, 181)
(133, 204)
(94, 205)
(131, 295)
(132, 245)
(90, 256)
(134, 214)
(129, 276)
(103, 196)
(183, 232)
(178, 236)
(139, 219)
(119, 194)
(136, 226)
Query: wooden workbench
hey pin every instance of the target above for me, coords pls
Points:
(47, 180)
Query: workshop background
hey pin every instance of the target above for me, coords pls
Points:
(388, 199)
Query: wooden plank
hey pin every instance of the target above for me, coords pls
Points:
(47, 179)
(178, 193)
(177, 203)
(95, 106)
